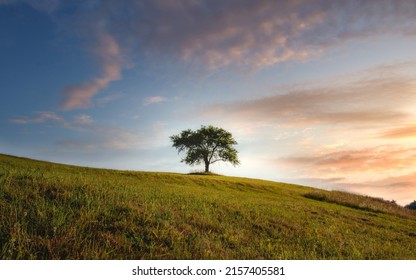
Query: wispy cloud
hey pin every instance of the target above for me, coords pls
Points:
(154, 100)
(240, 32)
(260, 33)
(78, 121)
(103, 139)
(116, 138)
(375, 98)
(109, 54)
(400, 188)
(217, 34)
(378, 159)
(93, 137)
(403, 131)
(41, 117)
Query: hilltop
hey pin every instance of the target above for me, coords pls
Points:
(56, 211)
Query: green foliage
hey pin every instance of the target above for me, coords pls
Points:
(55, 211)
(206, 145)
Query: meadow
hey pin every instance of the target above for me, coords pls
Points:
(56, 211)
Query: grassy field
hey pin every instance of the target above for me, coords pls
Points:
(55, 211)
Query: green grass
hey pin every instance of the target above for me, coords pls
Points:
(372, 204)
(55, 211)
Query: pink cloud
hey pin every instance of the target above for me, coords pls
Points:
(244, 33)
(217, 34)
(108, 52)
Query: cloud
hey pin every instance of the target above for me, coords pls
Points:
(400, 188)
(258, 33)
(116, 138)
(407, 131)
(77, 122)
(407, 182)
(93, 137)
(40, 118)
(101, 138)
(378, 159)
(108, 52)
(102, 46)
(384, 171)
(217, 34)
(246, 33)
(154, 100)
(372, 98)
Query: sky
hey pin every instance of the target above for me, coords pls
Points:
(319, 93)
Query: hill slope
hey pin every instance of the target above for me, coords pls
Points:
(55, 211)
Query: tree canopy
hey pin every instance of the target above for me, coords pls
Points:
(206, 145)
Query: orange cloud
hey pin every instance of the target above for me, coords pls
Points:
(108, 52)
(373, 98)
(378, 159)
(408, 131)
(401, 188)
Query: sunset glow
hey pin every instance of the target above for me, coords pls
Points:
(320, 93)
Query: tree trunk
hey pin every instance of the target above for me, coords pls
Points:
(206, 165)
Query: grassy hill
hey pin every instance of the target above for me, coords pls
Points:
(55, 211)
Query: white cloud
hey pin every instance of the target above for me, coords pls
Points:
(41, 117)
(154, 100)
(77, 122)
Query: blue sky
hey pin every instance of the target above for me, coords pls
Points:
(320, 93)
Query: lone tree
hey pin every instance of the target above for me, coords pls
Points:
(208, 144)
